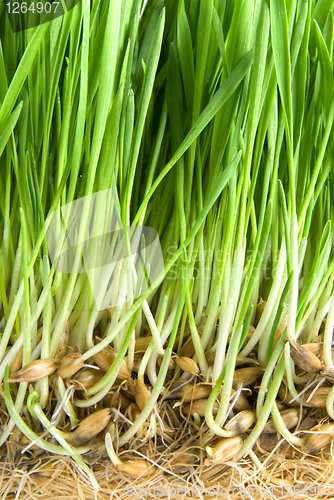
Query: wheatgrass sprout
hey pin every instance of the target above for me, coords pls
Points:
(167, 194)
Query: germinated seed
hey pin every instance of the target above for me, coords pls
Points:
(141, 393)
(194, 392)
(63, 342)
(241, 422)
(188, 347)
(259, 311)
(90, 426)
(290, 417)
(189, 392)
(88, 378)
(286, 397)
(171, 364)
(105, 358)
(312, 443)
(241, 403)
(187, 365)
(246, 376)
(223, 451)
(132, 413)
(280, 330)
(137, 359)
(328, 373)
(318, 399)
(245, 361)
(142, 343)
(70, 364)
(198, 407)
(116, 400)
(182, 460)
(304, 358)
(136, 468)
(17, 361)
(34, 371)
(315, 347)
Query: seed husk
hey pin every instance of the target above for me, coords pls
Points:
(88, 378)
(290, 417)
(90, 426)
(226, 449)
(133, 412)
(286, 397)
(259, 311)
(240, 361)
(280, 406)
(188, 349)
(321, 356)
(318, 399)
(69, 365)
(13, 444)
(250, 332)
(141, 392)
(137, 359)
(315, 347)
(241, 403)
(35, 370)
(245, 361)
(198, 407)
(97, 452)
(195, 392)
(105, 358)
(241, 422)
(142, 343)
(280, 330)
(267, 442)
(328, 373)
(189, 392)
(117, 400)
(171, 364)
(63, 342)
(246, 376)
(136, 468)
(16, 364)
(187, 365)
(305, 358)
(312, 443)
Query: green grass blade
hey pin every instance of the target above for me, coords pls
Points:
(8, 127)
(280, 44)
(22, 72)
(212, 108)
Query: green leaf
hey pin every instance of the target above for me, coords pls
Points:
(219, 99)
(8, 127)
(21, 72)
(280, 44)
(185, 49)
(327, 79)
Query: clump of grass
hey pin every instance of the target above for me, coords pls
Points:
(210, 122)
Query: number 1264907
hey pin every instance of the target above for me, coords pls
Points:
(24, 7)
